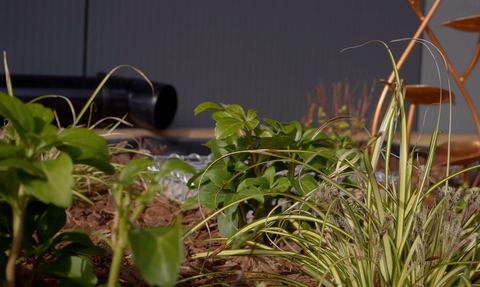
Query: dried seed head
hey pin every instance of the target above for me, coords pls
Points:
(472, 205)
(386, 224)
(422, 169)
(328, 194)
(420, 224)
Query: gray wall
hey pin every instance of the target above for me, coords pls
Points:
(265, 55)
(42, 37)
(459, 47)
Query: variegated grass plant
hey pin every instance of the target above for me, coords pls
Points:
(355, 231)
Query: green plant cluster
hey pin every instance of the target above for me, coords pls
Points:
(36, 169)
(268, 160)
(354, 232)
(38, 166)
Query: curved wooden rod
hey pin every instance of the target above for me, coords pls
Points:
(454, 74)
(406, 53)
(474, 61)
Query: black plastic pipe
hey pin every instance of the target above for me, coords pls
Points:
(118, 97)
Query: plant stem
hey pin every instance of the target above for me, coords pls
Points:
(119, 249)
(252, 146)
(17, 236)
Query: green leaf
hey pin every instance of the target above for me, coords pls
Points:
(228, 226)
(299, 130)
(221, 115)
(79, 249)
(231, 198)
(273, 123)
(42, 118)
(76, 237)
(252, 124)
(207, 106)
(76, 268)
(190, 202)
(158, 253)
(51, 222)
(281, 184)
(27, 166)
(9, 184)
(220, 177)
(270, 174)
(227, 126)
(208, 196)
(253, 190)
(175, 164)
(7, 150)
(276, 142)
(56, 187)
(86, 147)
(306, 184)
(17, 113)
(133, 168)
(236, 110)
(251, 114)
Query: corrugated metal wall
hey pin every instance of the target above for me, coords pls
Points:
(265, 55)
(43, 37)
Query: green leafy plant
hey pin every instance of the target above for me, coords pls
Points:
(157, 251)
(262, 159)
(367, 233)
(36, 164)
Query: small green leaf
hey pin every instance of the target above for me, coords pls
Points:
(56, 187)
(210, 197)
(190, 202)
(306, 184)
(9, 184)
(227, 126)
(27, 166)
(281, 184)
(158, 253)
(252, 124)
(51, 222)
(270, 174)
(220, 177)
(76, 237)
(208, 106)
(133, 168)
(79, 249)
(231, 198)
(253, 190)
(221, 115)
(7, 150)
(86, 147)
(76, 268)
(273, 123)
(42, 118)
(276, 142)
(17, 113)
(175, 164)
(228, 226)
(251, 114)
(236, 110)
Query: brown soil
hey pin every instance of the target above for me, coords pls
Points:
(162, 211)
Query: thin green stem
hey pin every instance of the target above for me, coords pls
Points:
(119, 250)
(18, 219)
